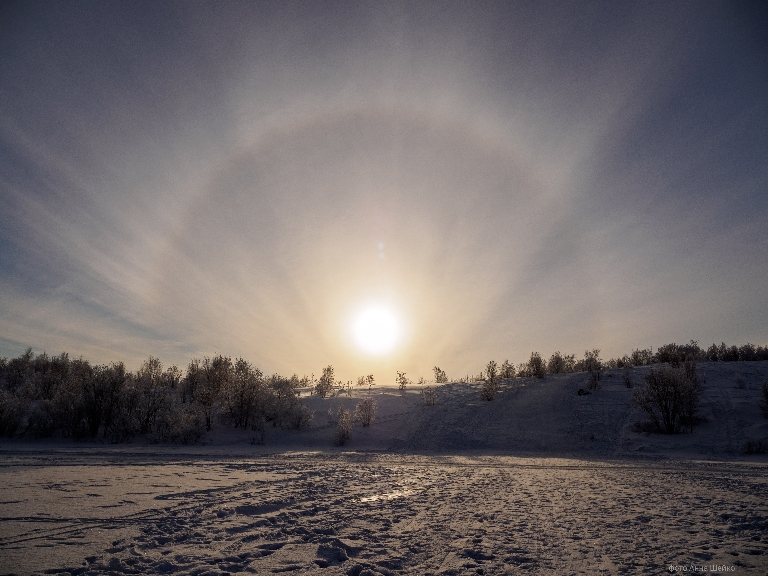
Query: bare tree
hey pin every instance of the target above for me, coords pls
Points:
(324, 386)
(670, 397)
(244, 400)
(217, 374)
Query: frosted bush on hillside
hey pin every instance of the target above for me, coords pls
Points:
(559, 363)
(594, 366)
(764, 400)
(365, 411)
(296, 417)
(671, 397)
(344, 428)
(491, 384)
(507, 370)
(534, 367)
(641, 357)
(429, 396)
(440, 376)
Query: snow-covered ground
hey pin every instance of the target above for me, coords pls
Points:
(540, 480)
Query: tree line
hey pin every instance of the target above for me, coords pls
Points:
(43, 396)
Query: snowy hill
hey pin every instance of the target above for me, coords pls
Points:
(548, 417)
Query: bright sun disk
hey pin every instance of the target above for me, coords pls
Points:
(376, 330)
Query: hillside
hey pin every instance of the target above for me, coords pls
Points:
(548, 417)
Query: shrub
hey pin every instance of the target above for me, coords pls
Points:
(676, 353)
(559, 363)
(507, 370)
(429, 396)
(534, 367)
(641, 357)
(344, 428)
(764, 399)
(594, 366)
(670, 397)
(402, 380)
(440, 376)
(296, 417)
(491, 384)
(365, 411)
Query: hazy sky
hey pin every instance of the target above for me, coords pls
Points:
(184, 179)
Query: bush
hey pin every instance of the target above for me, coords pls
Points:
(440, 376)
(677, 353)
(534, 367)
(402, 380)
(296, 417)
(507, 370)
(365, 411)
(344, 428)
(764, 400)
(594, 366)
(429, 396)
(491, 384)
(559, 363)
(670, 397)
(641, 357)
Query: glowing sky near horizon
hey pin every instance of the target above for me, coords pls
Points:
(183, 179)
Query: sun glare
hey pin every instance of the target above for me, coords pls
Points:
(376, 330)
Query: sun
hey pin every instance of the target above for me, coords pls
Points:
(376, 330)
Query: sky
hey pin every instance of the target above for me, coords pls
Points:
(183, 179)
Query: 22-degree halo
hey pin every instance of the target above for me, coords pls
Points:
(376, 330)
